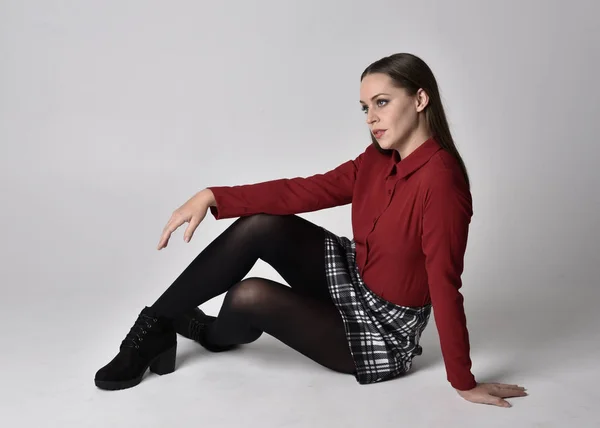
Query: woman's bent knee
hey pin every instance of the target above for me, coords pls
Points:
(260, 220)
(247, 294)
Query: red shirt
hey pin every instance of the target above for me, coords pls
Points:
(410, 220)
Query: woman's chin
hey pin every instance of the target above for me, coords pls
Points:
(384, 144)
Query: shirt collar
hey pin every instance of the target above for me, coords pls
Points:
(415, 160)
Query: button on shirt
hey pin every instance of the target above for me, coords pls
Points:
(410, 221)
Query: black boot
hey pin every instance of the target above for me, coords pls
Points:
(151, 343)
(193, 325)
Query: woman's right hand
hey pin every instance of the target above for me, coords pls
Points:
(192, 212)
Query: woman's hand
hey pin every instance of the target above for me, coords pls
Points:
(492, 393)
(192, 212)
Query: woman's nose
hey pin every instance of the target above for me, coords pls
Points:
(370, 117)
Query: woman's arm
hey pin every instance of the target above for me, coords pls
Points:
(287, 195)
(447, 213)
(446, 218)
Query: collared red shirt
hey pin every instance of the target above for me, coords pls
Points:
(410, 221)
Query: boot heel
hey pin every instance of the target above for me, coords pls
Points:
(165, 362)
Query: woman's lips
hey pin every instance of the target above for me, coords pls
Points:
(378, 134)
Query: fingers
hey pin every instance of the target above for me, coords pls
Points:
(508, 394)
(508, 391)
(189, 232)
(511, 388)
(495, 400)
(174, 222)
(502, 403)
(506, 386)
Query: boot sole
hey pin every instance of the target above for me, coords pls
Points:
(162, 364)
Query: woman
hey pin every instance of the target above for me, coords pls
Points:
(355, 306)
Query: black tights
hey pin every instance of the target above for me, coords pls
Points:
(302, 316)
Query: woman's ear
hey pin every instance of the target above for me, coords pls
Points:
(421, 100)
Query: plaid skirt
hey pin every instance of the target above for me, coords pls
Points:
(383, 337)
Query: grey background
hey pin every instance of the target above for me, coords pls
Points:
(114, 113)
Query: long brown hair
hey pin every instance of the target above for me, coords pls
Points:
(411, 73)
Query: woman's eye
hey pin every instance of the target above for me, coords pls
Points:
(365, 108)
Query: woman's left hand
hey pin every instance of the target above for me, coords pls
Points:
(493, 393)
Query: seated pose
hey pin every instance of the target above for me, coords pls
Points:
(357, 306)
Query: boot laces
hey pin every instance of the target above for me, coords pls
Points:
(196, 329)
(140, 328)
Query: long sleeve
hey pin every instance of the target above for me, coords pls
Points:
(447, 213)
(288, 195)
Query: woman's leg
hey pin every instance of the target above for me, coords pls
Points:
(311, 326)
(303, 316)
(293, 246)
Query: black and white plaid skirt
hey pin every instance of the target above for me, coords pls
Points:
(383, 337)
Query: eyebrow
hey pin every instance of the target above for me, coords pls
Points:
(375, 96)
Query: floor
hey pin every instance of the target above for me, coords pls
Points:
(49, 362)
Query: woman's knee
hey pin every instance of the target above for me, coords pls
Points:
(247, 295)
(260, 223)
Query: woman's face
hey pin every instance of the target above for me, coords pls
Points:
(389, 108)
